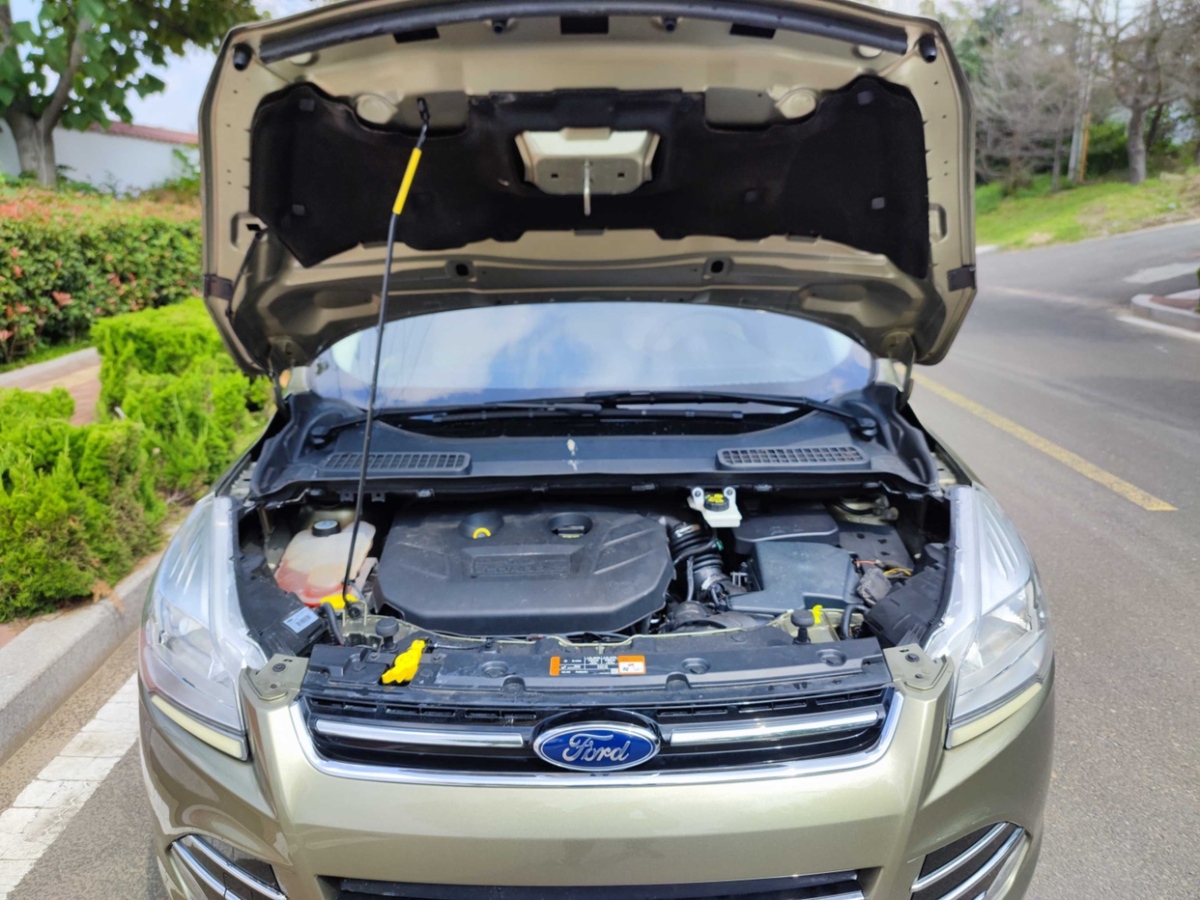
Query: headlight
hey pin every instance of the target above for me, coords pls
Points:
(995, 629)
(194, 641)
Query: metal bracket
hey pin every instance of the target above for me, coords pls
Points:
(216, 286)
(961, 278)
(278, 678)
(911, 665)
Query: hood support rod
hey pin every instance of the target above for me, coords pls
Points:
(397, 208)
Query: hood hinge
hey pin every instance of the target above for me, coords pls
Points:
(277, 376)
(216, 286)
(902, 352)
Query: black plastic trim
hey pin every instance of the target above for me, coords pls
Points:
(793, 887)
(961, 278)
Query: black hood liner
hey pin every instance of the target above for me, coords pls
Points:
(853, 171)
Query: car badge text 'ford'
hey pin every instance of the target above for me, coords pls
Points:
(597, 746)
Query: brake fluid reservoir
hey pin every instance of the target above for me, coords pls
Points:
(315, 559)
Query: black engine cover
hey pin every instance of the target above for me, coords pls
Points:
(521, 572)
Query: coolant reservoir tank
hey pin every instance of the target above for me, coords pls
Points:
(315, 559)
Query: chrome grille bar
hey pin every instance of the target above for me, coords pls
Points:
(983, 879)
(961, 860)
(197, 870)
(987, 869)
(189, 846)
(306, 727)
(679, 736)
(420, 737)
(782, 729)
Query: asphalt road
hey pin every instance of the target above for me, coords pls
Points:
(1045, 363)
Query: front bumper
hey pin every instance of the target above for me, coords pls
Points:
(877, 821)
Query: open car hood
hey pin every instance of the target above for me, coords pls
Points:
(813, 158)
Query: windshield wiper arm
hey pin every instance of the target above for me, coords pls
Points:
(866, 426)
(550, 407)
(604, 404)
(470, 411)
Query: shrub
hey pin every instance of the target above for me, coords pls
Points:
(77, 503)
(160, 342)
(80, 505)
(69, 259)
(195, 421)
(17, 405)
(168, 370)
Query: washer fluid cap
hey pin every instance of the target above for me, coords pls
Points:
(326, 528)
(719, 508)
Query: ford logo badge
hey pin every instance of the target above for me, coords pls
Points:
(597, 746)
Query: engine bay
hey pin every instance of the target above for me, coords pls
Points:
(596, 571)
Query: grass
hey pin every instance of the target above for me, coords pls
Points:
(1034, 217)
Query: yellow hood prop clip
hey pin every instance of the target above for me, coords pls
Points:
(404, 667)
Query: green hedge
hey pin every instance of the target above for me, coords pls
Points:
(167, 369)
(77, 503)
(160, 342)
(67, 260)
(80, 505)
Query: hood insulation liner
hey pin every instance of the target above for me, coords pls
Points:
(853, 171)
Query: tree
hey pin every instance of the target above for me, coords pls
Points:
(1026, 92)
(1145, 43)
(79, 60)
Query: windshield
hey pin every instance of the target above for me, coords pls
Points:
(500, 353)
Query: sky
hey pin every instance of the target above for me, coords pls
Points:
(178, 106)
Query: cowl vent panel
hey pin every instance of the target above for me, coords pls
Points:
(425, 463)
(787, 457)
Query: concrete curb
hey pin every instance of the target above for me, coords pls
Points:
(1143, 305)
(50, 660)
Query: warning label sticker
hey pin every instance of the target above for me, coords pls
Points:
(631, 665)
(598, 665)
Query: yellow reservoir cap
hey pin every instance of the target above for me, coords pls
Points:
(334, 600)
(404, 667)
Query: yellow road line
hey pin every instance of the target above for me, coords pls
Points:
(1071, 460)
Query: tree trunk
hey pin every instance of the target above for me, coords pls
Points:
(1077, 157)
(1056, 175)
(1196, 125)
(35, 146)
(1155, 126)
(1137, 144)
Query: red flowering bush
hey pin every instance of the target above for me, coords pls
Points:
(66, 260)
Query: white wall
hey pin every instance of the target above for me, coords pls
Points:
(110, 161)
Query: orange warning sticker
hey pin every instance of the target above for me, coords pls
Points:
(631, 665)
(597, 665)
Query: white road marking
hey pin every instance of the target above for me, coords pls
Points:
(1161, 273)
(41, 812)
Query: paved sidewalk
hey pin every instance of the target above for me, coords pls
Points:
(78, 372)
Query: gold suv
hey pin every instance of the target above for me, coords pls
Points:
(593, 550)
